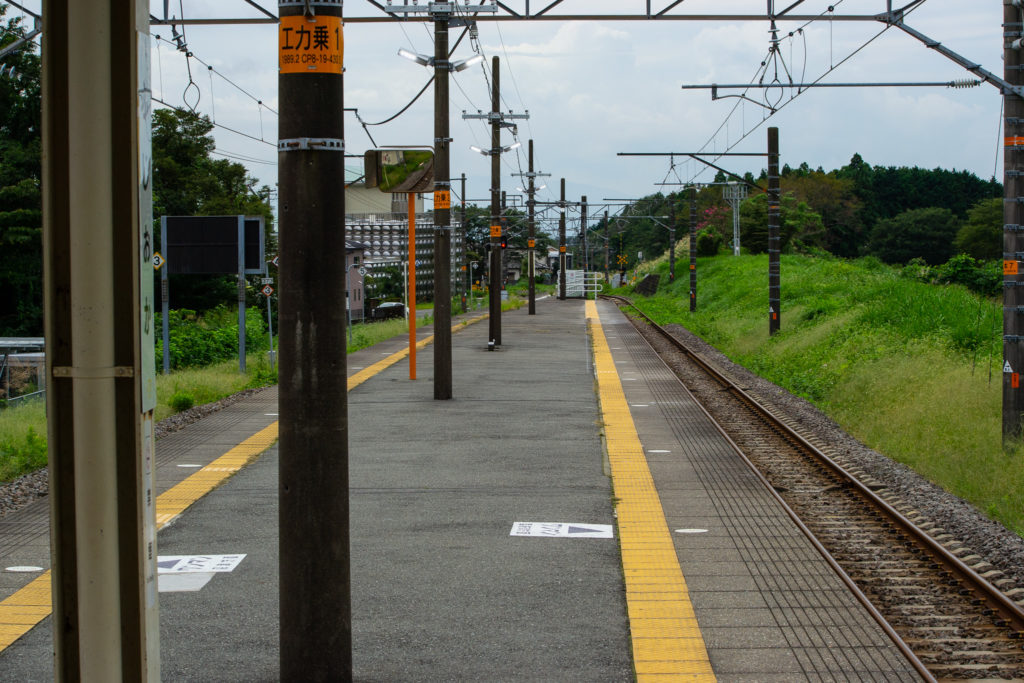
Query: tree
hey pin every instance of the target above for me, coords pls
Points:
(799, 225)
(833, 197)
(187, 181)
(21, 279)
(918, 233)
(982, 234)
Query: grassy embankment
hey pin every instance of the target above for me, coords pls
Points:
(912, 370)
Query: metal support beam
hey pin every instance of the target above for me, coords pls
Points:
(97, 246)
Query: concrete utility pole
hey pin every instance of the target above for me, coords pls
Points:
(693, 249)
(465, 231)
(315, 604)
(1013, 232)
(494, 290)
(607, 245)
(531, 204)
(774, 304)
(442, 216)
(98, 284)
(672, 248)
(561, 244)
(583, 232)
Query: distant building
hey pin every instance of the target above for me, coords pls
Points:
(354, 294)
(379, 221)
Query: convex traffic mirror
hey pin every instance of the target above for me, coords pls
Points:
(400, 170)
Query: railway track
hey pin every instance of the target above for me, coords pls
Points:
(952, 614)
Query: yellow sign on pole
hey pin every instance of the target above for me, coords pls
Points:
(310, 45)
(495, 231)
(531, 243)
(442, 199)
(1009, 267)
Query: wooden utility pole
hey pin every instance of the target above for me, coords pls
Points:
(607, 247)
(774, 309)
(1013, 231)
(531, 235)
(442, 217)
(315, 603)
(494, 293)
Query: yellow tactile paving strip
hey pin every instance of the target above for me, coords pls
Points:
(28, 606)
(667, 642)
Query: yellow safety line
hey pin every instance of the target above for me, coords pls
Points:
(667, 642)
(31, 604)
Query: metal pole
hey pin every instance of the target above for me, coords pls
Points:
(442, 218)
(241, 294)
(693, 249)
(531, 237)
(270, 333)
(165, 300)
(1013, 237)
(494, 293)
(315, 583)
(412, 285)
(348, 304)
(774, 310)
(561, 245)
(98, 286)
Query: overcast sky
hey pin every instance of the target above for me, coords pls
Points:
(594, 89)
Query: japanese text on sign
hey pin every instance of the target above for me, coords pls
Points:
(1009, 267)
(306, 46)
(442, 199)
(495, 231)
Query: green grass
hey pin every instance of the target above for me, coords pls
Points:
(22, 439)
(902, 365)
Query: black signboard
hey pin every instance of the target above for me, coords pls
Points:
(208, 245)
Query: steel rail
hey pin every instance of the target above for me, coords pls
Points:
(1009, 610)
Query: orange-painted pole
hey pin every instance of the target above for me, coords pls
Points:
(412, 285)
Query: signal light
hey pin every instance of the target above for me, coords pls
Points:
(504, 242)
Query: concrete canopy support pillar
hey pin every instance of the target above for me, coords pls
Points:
(97, 241)
(315, 587)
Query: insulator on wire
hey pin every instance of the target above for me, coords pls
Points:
(967, 83)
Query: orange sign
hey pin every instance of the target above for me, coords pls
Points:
(310, 46)
(495, 231)
(1009, 267)
(442, 199)
(531, 243)
(561, 249)
(1015, 380)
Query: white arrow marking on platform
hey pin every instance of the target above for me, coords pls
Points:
(561, 530)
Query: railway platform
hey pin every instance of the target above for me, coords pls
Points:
(570, 515)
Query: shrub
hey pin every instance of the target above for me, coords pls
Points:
(708, 243)
(182, 401)
(200, 340)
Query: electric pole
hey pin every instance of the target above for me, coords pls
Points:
(607, 246)
(672, 248)
(494, 290)
(583, 232)
(442, 216)
(315, 604)
(1013, 233)
(465, 232)
(774, 308)
(693, 249)
(531, 203)
(561, 244)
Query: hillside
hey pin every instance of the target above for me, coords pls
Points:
(909, 368)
